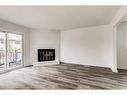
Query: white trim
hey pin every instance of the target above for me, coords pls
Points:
(120, 14)
(115, 22)
(114, 68)
(86, 64)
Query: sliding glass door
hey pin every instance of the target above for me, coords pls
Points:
(14, 50)
(2, 51)
(10, 51)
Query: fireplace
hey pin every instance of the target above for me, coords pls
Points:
(46, 55)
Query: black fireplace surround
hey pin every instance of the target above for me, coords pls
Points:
(46, 55)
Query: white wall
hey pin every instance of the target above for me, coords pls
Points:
(89, 46)
(14, 28)
(122, 45)
(40, 39)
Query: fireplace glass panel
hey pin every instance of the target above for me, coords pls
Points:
(46, 55)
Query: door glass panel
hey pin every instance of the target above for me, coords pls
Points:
(2, 51)
(14, 50)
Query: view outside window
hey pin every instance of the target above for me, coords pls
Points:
(14, 49)
(13, 44)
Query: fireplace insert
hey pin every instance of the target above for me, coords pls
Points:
(46, 55)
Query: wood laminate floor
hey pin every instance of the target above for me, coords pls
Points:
(63, 76)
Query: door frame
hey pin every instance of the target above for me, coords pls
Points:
(6, 44)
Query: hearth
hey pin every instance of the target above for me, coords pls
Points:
(46, 55)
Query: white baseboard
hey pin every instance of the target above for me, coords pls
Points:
(114, 70)
(86, 64)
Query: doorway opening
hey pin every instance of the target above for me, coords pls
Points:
(122, 43)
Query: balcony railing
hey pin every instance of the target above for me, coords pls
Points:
(14, 57)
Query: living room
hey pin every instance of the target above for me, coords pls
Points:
(61, 47)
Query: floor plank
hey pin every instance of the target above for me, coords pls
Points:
(64, 76)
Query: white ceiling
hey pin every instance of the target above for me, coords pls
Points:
(58, 17)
